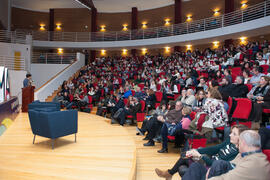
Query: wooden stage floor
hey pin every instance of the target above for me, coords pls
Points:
(102, 151)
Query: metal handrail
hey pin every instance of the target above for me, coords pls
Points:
(53, 58)
(257, 11)
(13, 63)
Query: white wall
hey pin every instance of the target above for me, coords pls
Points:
(16, 83)
(41, 73)
(4, 12)
(53, 85)
(8, 49)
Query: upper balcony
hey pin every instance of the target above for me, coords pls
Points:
(252, 21)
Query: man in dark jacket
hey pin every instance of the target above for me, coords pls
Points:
(239, 89)
(133, 109)
(225, 87)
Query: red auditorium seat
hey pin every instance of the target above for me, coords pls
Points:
(243, 109)
(140, 117)
(236, 71)
(266, 111)
(193, 115)
(267, 153)
(133, 92)
(230, 101)
(158, 87)
(176, 96)
(197, 143)
(125, 101)
(265, 68)
(249, 86)
(158, 96)
(141, 85)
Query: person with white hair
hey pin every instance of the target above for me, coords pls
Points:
(249, 164)
(188, 98)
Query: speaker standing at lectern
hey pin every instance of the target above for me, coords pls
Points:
(27, 81)
(27, 92)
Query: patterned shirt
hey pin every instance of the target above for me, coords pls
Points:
(217, 114)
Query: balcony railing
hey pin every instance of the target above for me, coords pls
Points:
(13, 63)
(12, 37)
(53, 58)
(254, 12)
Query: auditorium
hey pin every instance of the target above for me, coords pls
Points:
(135, 90)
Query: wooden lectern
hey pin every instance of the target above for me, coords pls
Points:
(27, 97)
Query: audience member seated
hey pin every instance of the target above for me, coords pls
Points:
(226, 151)
(225, 86)
(150, 100)
(184, 125)
(260, 95)
(199, 100)
(132, 108)
(239, 89)
(203, 84)
(255, 79)
(246, 75)
(58, 98)
(151, 125)
(249, 164)
(188, 98)
(170, 124)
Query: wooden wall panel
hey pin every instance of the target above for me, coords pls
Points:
(73, 20)
(24, 19)
(237, 3)
(201, 9)
(156, 17)
(114, 21)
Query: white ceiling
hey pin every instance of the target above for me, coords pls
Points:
(101, 5)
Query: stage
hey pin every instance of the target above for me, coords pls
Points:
(102, 151)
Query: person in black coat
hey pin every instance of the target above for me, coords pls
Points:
(239, 89)
(225, 87)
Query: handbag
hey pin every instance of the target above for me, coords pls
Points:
(172, 128)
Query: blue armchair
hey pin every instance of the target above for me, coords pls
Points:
(37, 104)
(53, 124)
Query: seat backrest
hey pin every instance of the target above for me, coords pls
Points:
(265, 68)
(243, 108)
(133, 92)
(193, 115)
(230, 101)
(158, 96)
(158, 87)
(90, 99)
(249, 86)
(236, 70)
(125, 101)
(267, 153)
(141, 85)
(142, 105)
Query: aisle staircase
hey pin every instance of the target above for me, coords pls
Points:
(50, 98)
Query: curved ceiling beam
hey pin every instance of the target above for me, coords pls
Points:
(87, 3)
